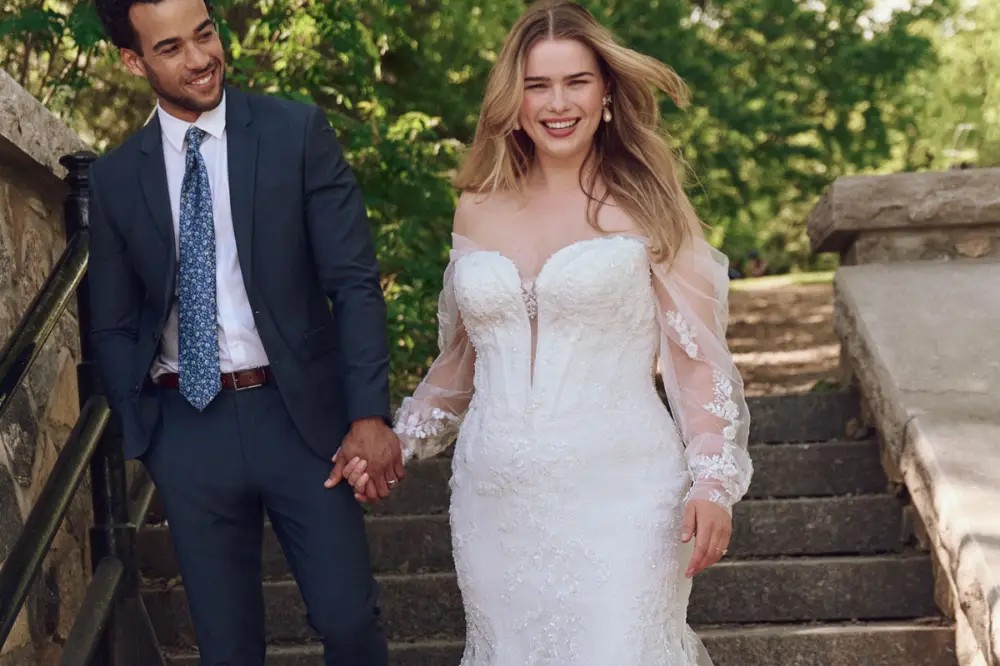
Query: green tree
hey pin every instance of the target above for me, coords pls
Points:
(787, 95)
(959, 100)
(328, 53)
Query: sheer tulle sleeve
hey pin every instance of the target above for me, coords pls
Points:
(703, 386)
(428, 421)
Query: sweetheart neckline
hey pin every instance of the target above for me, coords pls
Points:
(534, 329)
(548, 260)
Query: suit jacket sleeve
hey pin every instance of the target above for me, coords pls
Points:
(116, 301)
(348, 270)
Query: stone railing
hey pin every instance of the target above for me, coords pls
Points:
(910, 217)
(918, 312)
(43, 413)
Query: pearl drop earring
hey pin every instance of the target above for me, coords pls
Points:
(607, 109)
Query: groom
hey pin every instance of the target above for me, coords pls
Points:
(219, 232)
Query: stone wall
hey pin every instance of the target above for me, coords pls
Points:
(910, 217)
(45, 409)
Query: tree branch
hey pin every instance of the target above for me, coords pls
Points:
(26, 61)
(48, 73)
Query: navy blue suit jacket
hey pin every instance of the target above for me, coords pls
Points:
(304, 245)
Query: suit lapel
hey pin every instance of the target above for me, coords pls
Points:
(153, 177)
(153, 180)
(242, 139)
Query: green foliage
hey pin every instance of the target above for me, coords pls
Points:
(333, 54)
(959, 100)
(787, 95)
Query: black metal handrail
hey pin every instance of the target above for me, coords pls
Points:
(85, 635)
(140, 494)
(43, 522)
(34, 329)
(112, 626)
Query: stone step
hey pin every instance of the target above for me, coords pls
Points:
(864, 587)
(817, 469)
(910, 643)
(399, 544)
(781, 470)
(805, 417)
(857, 525)
(428, 606)
(794, 469)
(762, 528)
(422, 653)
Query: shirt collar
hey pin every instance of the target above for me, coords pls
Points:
(174, 129)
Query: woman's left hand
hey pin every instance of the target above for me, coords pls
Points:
(712, 527)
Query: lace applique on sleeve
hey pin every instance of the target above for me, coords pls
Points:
(428, 421)
(702, 383)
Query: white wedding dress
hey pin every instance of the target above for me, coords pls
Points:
(569, 475)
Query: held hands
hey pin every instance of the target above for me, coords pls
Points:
(713, 526)
(358, 477)
(372, 441)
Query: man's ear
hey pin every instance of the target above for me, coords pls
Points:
(133, 62)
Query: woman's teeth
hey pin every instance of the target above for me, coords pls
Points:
(561, 124)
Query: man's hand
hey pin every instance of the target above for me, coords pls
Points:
(713, 526)
(371, 440)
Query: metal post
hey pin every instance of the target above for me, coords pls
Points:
(129, 639)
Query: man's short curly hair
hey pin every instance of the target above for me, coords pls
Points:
(118, 27)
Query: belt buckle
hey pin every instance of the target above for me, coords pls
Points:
(236, 385)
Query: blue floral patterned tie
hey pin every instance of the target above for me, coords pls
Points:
(199, 338)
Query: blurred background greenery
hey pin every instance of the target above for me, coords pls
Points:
(787, 96)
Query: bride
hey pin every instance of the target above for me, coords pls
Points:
(578, 263)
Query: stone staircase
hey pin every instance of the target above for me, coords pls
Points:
(823, 569)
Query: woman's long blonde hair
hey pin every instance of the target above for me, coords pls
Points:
(631, 156)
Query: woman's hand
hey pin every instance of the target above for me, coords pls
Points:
(374, 441)
(712, 527)
(356, 475)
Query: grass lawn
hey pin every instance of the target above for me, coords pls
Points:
(772, 281)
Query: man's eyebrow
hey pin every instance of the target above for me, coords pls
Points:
(165, 42)
(173, 40)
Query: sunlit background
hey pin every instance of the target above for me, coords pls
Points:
(787, 96)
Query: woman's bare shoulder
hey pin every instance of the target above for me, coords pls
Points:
(614, 219)
(477, 208)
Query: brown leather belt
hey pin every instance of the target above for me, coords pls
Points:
(237, 381)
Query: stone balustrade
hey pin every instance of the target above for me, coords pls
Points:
(917, 311)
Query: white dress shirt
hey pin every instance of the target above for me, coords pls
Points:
(240, 347)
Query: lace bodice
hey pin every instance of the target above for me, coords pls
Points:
(583, 337)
